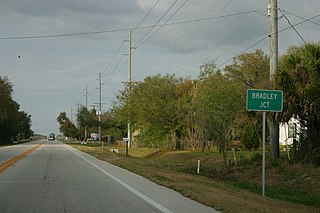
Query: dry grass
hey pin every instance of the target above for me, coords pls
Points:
(163, 168)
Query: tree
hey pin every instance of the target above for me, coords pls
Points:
(299, 78)
(67, 127)
(151, 108)
(191, 120)
(221, 100)
(250, 137)
(252, 69)
(12, 121)
(24, 124)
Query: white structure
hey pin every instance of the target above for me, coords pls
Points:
(288, 132)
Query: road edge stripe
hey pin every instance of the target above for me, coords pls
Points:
(124, 184)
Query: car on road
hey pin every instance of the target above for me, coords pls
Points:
(51, 137)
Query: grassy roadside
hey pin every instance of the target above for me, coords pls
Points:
(235, 189)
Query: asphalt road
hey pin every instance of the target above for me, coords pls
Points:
(51, 176)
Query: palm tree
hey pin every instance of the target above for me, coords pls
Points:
(299, 78)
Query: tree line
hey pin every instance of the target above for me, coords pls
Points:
(87, 121)
(14, 123)
(176, 113)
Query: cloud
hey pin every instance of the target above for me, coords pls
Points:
(60, 16)
(57, 69)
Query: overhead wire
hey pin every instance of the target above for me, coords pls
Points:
(299, 23)
(243, 51)
(115, 71)
(136, 27)
(182, 5)
(113, 58)
(300, 17)
(120, 30)
(192, 34)
(151, 9)
(200, 26)
(118, 50)
(239, 39)
(179, 37)
(283, 15)
(156, 23)
(218, 32)
(246, 24)
(264, 38)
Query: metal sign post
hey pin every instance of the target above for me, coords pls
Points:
(263, 153)
(264, 100)
(127, 145)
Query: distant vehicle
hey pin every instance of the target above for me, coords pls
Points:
(51, 137)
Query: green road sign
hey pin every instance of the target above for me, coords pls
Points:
(264, 100)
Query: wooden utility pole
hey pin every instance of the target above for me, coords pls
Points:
(99, 112)
(274, 125)
(129, 84)
(86, 127)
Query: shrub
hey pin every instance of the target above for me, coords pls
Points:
(250, 138)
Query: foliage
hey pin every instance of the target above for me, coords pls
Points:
(89, 120)
(221, 101)
(299, 78)
(66, 126)
(250, 137)
(14, 124)
(252, 69)
(165, 111)
(150, 107)
(86, 118)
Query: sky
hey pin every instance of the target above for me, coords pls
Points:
(50, 50)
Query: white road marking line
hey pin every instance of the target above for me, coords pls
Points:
(130, 188)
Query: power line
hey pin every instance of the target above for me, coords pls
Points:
(146, 15)
(63, 35)
(301, 17)
(293, 27)
(258, 42)
(114, 69)
(156, 23)
(184, 40)
(116, 73)
(123, 29)
(164, 23)
(115, 55)
(197, 29)
(229, 25)
(181, 35)
(305, 20)
(282, 30)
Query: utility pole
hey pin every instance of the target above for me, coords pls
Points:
(99, 113)
(86, 127)
(129, 84)
(274, 125)
(78, 122)
(71, 115)
(86, 95)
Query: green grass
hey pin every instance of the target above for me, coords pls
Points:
(281, 193)
(223, 187)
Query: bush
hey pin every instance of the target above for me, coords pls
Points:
(250, 138)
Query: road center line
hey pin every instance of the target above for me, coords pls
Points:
(130, 188)
(13, 160)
